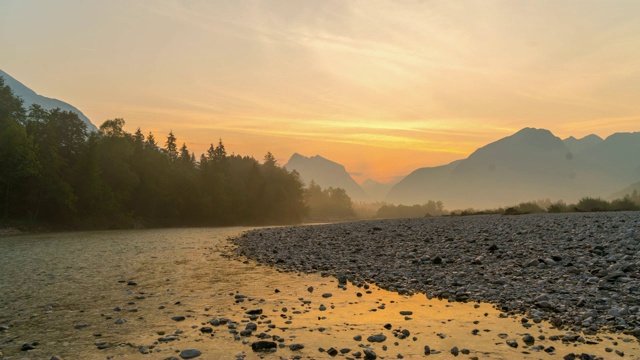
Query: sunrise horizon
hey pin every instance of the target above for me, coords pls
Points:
(381, 88)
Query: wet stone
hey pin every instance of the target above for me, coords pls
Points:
(369, 354)
(377, 338)
(332, 352)
(190, 353)
(264, 346)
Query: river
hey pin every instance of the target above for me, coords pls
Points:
(113, 294)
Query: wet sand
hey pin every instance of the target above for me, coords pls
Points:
(63, 291)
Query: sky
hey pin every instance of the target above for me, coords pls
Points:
(382, 87)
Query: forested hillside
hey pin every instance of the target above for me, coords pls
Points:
(54, 172)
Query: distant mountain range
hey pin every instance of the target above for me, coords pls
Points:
(531, 164)
(30, 97)
(528, 165)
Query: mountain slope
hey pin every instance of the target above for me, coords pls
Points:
(325, 173)
(30, 97)
(528, 165)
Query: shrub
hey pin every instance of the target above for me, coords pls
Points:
(592, 204)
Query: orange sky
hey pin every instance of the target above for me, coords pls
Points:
(381, 87)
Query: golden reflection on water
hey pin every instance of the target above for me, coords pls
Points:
(51, 283)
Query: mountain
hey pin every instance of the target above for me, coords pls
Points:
(528, 165)
(325, 173)
(579, 145)
(30, 97)
(626, 191)
(377, 191)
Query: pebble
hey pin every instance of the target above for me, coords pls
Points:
(377, 338)
(589, 262)
(264, 346)
(190, 353)
(369, 354)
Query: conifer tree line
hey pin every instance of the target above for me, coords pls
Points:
(53, 171)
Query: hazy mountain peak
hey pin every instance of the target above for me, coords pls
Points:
(325, 173)
(31, 97)
(577, 146)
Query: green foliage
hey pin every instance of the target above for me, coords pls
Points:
(592, 204)
(327, 204)
(524, 208)
(627, 203)
(559, 207)
(430, 208)
(52, 171)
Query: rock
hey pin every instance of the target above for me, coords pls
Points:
(80, 326)
(377, 338)
(528, 339)
(120, 321)
(327, 295)
(427, 350)
(253, 312)
(54, 357)
(357, 338)
(369, 354)
(332, 352)
(294, 347)
(406, 313)
(178, 318)
(512, 343)
(206, 329)
(190, 353)
(264, 346)
(168, 338)
(27, 347)
(455, 351)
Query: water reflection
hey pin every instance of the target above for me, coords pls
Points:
(74, 293)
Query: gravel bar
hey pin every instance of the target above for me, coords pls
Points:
(579, 271)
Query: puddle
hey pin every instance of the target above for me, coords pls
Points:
(51, 284)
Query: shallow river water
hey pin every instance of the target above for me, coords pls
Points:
(113, 294)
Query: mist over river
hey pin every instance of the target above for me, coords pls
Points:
(156, 294)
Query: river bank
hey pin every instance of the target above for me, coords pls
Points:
(579, 271)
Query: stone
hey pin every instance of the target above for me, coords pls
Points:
(264, 346)
(378, 338)
(528, 339)
(369, 354)
(295, 347)
(427, 350)
(190, 353)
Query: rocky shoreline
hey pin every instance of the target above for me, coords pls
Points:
(579, 271)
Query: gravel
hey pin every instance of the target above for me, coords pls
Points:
(579, 271)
